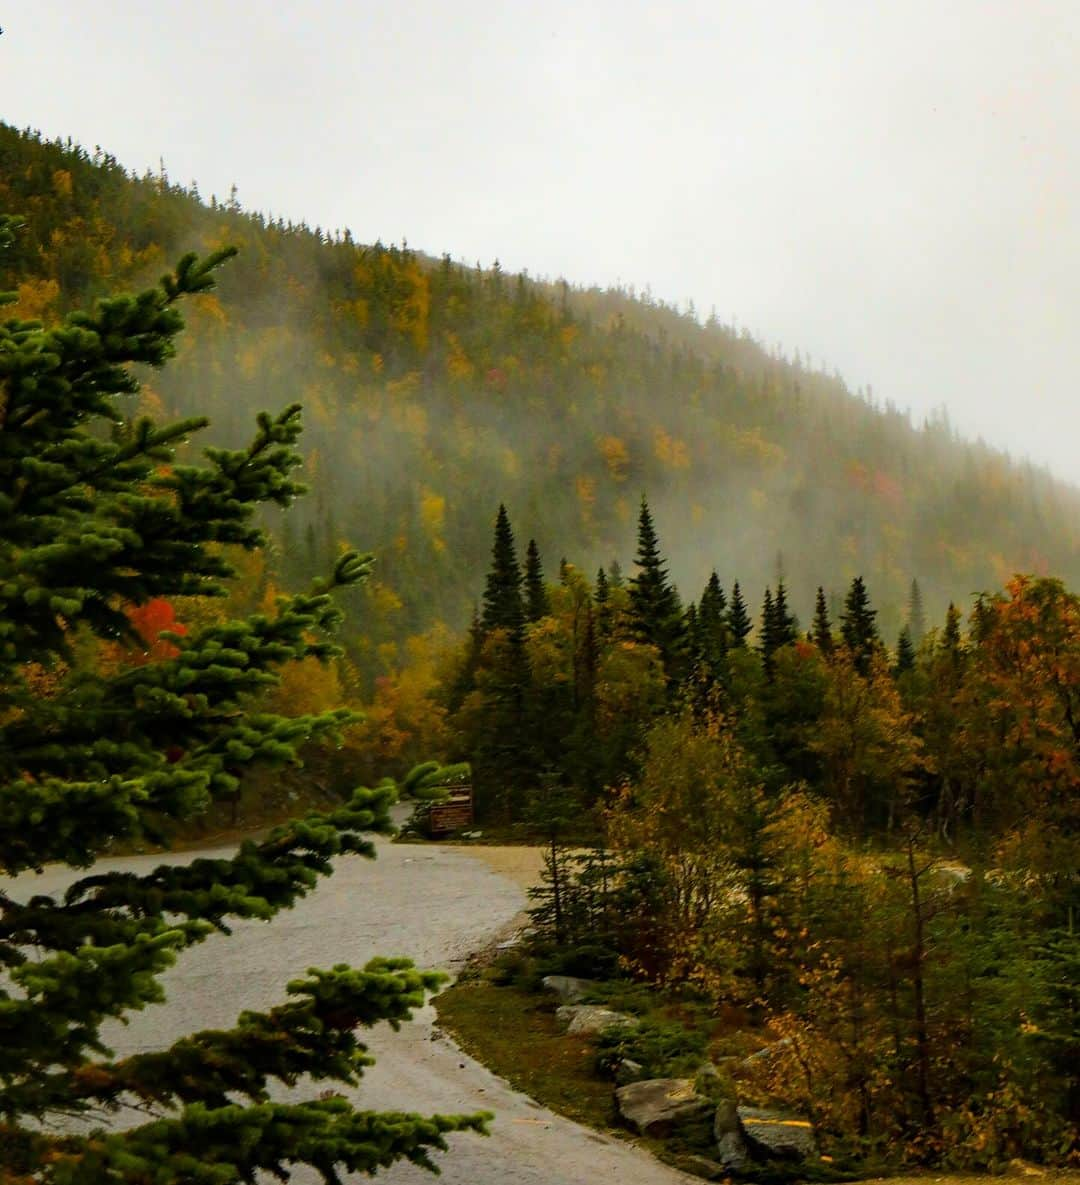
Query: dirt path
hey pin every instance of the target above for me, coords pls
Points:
(435, 905)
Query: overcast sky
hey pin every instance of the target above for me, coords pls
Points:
(893, 188)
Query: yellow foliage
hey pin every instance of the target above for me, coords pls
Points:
(458, 365)
(749, 444)
(382, 599)
(432, 511)
(414, 419)
(309, 686)
(61, 180)
(207, 310)
(36, 297)
(405, 386)
(586, 492)
(616, 456)
(410, 316)
(568, 335)
(670, 450)
(248, 360)
(151, 403)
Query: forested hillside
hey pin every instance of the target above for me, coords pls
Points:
(433, 391)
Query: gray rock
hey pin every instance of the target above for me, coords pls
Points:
(659, 1105)
(592, 1018)
(777, 1134)
(731, 1149)
(701, 1166)
(628, 1071)
(568, 988)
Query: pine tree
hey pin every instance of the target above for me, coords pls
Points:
(713, 627)
(654, 603)
(857, 626)
(93, 527)
(916, 615)
(951, 640)
(602, 598)
(503, 606)
(694, 651)
(821, 631)
(767, 634)
(785, 626)
(465, 680)
(739, 623)
(905, 651)
(537, 604)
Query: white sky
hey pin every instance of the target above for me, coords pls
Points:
(891, 187)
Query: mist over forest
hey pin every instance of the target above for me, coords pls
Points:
(769, 694)
(433, 390)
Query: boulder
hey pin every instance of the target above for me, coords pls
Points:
(701, 1166)
(777, 1135)
(628, 1071)
(592, 1018)
(731, 1149)
(657, 1106)
(568, 988)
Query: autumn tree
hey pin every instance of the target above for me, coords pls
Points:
(97, 525)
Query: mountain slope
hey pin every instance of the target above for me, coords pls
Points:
(433, 391)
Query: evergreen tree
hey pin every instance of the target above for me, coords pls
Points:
(713, 627)
(694, 651)
(503, 606)
(95, 529)
(465, 680)
(767, 635)
(654, 603)
(615, 574)
(602, 597)
(905, 651)
(821, 631)
(777, 626)
(857, 626)
(738, 619)
(951, 640)
(785, 625)
(916, 615)
(537, 604)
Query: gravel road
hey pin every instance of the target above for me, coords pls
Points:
(434, 905)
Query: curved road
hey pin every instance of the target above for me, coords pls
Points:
(434, 905)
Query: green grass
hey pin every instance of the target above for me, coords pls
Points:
(515, 1034)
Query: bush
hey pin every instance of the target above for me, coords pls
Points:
(587, 961)
(663, 1049)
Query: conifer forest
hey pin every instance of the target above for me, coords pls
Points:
(785, 684)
